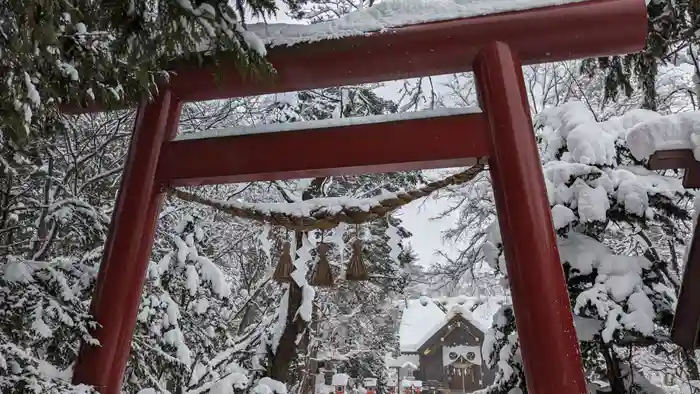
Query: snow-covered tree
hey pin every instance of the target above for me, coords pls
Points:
(184, 339)
(351, 306)
(56, 194)
(43, 319)
(613, 218)
(57, 52)
(323, 10)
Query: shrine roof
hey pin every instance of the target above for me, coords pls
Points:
(422, 317)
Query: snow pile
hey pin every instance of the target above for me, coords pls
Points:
(587, 141)
(20, 271)
(463, 312)
(401, 360)
(231, 384)
(660, 133)
(391, 14)
(585, 181)
(618, 297)
(573, 126)
(269, 386)
(406, 383)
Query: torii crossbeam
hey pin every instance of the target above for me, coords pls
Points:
(493, 46)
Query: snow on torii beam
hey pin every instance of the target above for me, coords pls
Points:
(571, 31)
(494, 45)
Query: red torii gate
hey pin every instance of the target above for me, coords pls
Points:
(493, 46)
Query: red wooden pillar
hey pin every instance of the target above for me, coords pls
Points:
(549, 346)
(128, 248)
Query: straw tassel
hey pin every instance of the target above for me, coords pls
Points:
(285, 266)
(356, 269)
(323, 276)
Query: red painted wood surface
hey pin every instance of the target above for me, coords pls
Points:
(128, 248)
(686, 321)
(143, 257)
(446, 141)
(677, 159)
(549, 346)
(572, 31)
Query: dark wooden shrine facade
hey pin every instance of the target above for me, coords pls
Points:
(437, 378)
(493, 46)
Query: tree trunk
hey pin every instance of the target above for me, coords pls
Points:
(617, 385)
(287, 349)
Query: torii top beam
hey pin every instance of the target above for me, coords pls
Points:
(596, 27)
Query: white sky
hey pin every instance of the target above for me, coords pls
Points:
(426, 232)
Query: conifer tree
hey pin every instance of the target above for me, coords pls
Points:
(183, 339)
(53, 220)
(614, 219)
(671, 39)
(109, 52)
(42, 320)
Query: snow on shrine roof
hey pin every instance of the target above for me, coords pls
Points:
(390, 14)
(402, 361)
(419, 322)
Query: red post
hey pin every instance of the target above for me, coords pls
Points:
(127, 250)
(144, 254)
(549, 346)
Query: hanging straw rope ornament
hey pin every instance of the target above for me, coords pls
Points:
(322, 218)
(323, 276)
(283, 271)
(356, 268)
